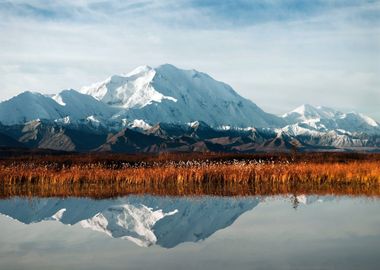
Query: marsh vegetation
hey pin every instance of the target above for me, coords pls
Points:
(191, 174)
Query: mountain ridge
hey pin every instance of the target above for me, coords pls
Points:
(324, 119)
(171, 109)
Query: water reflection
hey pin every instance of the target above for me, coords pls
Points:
(287, 232)
(144, 220)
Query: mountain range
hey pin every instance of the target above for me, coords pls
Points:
(171, 109)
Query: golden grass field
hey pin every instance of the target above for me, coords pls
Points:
(195, 174)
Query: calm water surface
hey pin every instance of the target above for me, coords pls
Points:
(148, 232)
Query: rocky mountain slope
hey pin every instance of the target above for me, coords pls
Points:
(168, 137)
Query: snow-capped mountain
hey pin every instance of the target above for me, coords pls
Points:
(29, 106)
(169, 94)
(171, 109)
(144, 220)
(133, 90)
(79, 106)
(147, 96)
(326, 119)
(69, 105)
(329, 138)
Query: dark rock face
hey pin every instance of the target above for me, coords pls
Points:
(165, 137)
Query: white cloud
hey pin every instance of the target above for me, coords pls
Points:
(330, 58)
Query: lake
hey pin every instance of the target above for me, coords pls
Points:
(205, 232)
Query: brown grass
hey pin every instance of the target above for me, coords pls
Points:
(178, 175)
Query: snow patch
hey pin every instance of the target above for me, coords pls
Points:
(194, 124)
(58, 216)
(59, 100)
(369, 120)
(225, 127)
(92, 118)
(64, 120)
(139, 123)
(133, 90)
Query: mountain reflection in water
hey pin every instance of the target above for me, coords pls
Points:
(203, 232)
(145, 220)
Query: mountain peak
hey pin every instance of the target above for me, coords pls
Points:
(167, 66)
(325, 118)
(301, 110)
(28, 94)
(170, 94)
(162, 94)
(170, 70)
(132, 90)
(308, 112)
(139, 70)
(305, 108)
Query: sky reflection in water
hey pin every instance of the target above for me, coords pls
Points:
(146, 232)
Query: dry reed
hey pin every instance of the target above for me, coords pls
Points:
(190, 177)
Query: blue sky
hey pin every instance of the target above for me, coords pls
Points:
(280, 54)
